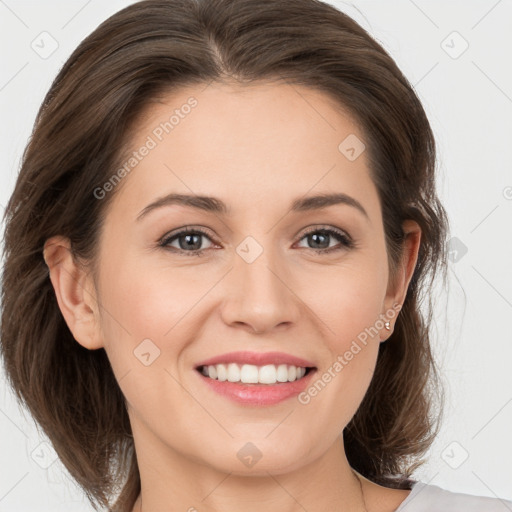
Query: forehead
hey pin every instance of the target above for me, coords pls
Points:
(246, 144)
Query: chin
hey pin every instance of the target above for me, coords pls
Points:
(259, 457)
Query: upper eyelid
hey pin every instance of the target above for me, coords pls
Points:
(313, 229)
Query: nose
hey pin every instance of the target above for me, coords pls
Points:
(259, 296)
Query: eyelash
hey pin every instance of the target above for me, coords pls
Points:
(346, 241)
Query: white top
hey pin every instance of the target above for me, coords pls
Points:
(431, 498)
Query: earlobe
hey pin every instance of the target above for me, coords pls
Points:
(74, 292)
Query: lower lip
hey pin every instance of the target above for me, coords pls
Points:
(258, 394)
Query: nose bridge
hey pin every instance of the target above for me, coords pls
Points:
(254, 268)
(258, 294)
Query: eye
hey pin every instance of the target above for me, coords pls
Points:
(320, 238)
(188, 241)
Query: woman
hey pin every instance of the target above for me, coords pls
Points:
(287, 364)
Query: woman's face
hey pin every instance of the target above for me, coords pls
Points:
(255, 281)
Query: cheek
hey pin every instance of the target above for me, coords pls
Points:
(347, 299)
(148, 300)
(148, 313)
(348, 303)
(143, 320)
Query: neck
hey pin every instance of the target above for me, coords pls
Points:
(327, 483)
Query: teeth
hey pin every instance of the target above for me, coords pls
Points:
(251, 374)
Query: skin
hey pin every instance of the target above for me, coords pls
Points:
(257, 148)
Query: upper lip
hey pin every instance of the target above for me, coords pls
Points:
(258, 359)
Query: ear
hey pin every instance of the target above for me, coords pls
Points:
(75, 292)
(398, 289)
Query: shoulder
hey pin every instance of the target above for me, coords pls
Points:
(431, 498)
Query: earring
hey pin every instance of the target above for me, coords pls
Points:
(387, 325)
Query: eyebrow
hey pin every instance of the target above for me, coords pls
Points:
(217, 206)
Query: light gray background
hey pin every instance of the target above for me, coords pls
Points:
(468, 98)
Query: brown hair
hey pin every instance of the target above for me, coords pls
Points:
(81, 130)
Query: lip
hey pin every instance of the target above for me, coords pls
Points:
(258, 394)
(257, 359)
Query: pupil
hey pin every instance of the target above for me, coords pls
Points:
(190, 244)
